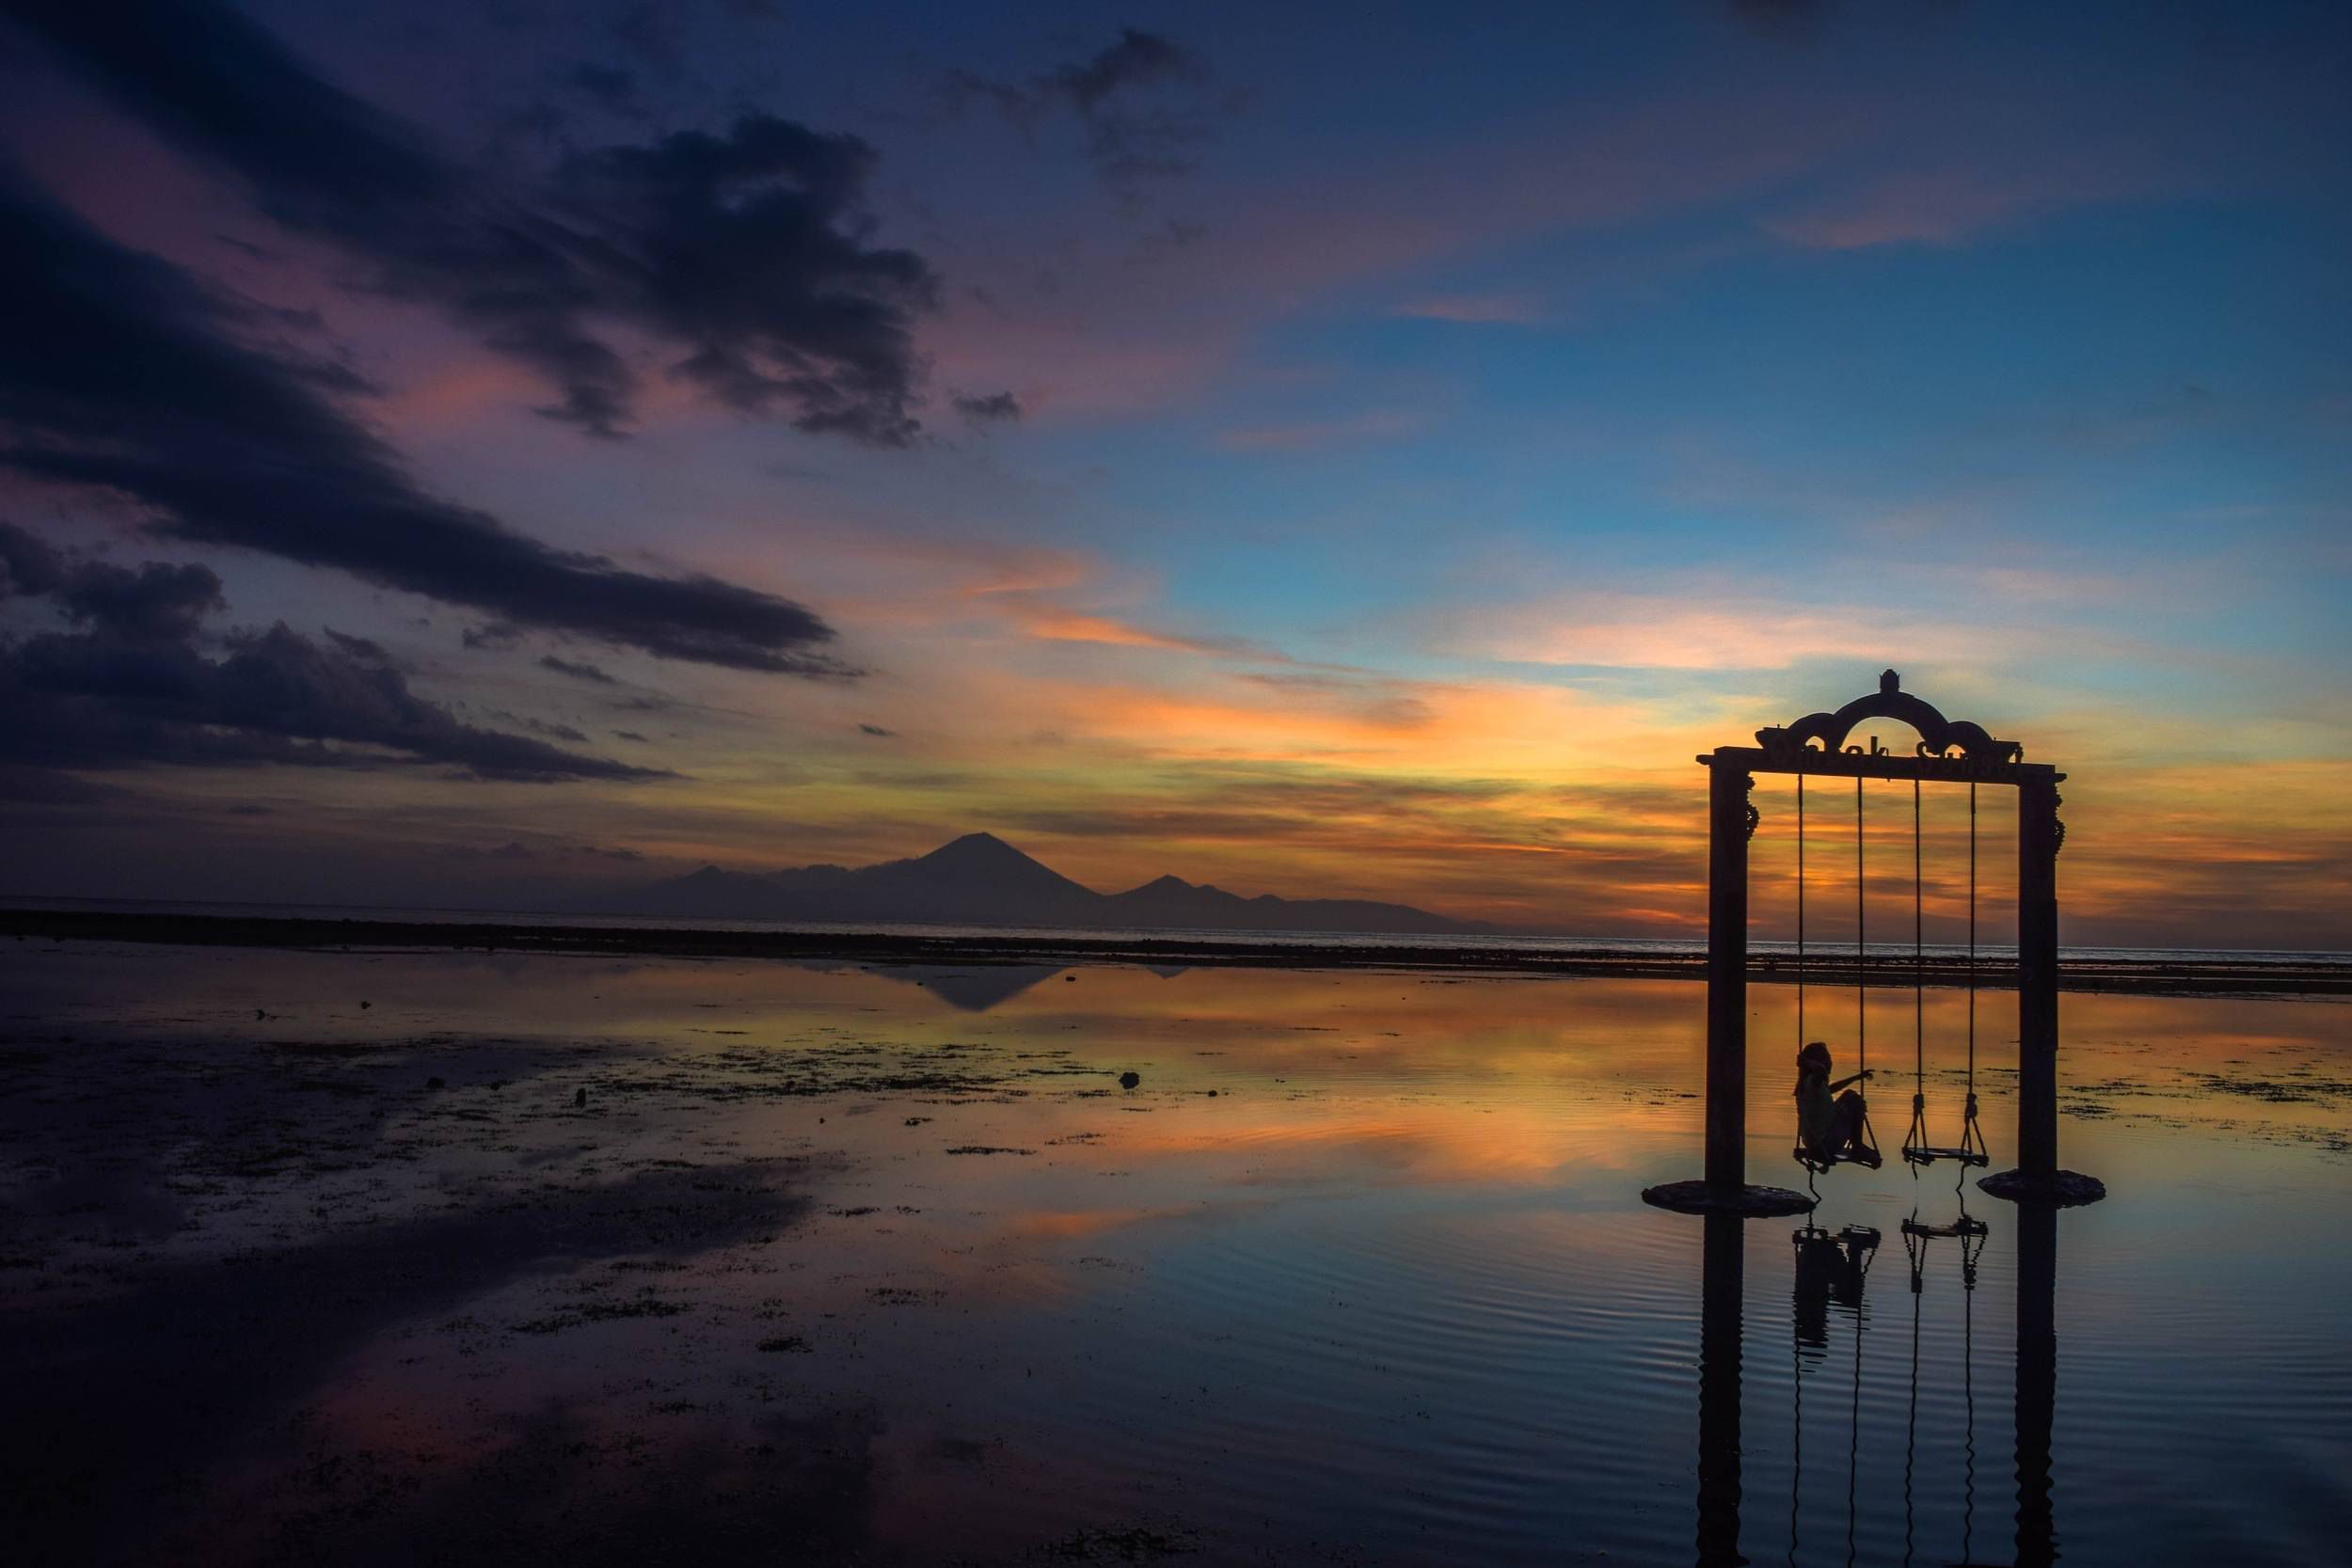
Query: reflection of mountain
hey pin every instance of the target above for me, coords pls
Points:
(979, 879)
(971, 991)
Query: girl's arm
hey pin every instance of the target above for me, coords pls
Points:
(1865, 1072)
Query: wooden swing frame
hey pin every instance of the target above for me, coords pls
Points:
(1948, 751)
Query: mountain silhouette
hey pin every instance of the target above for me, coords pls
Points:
(979, 879)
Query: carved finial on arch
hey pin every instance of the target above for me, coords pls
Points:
(1938, 736)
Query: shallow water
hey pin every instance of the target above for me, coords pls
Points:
(836, 1264)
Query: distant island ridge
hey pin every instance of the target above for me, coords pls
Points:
(979, 879)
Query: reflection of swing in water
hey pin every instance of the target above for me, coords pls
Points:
(1971, 1233)
(1830, 1268)
(1831, 1274)
(1831, 1133)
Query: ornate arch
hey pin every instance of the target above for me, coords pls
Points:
(1939, 736)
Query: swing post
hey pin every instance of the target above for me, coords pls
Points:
(1724, 1187)
(1727, 978)
(2038, 1178)
(2037, 979)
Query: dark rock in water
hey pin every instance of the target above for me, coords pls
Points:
(1212, 1094)
(1070, 979)
(580, 1098)
(1129, 1079)
(365, 1006)
(436, 1083)
(259, 1015)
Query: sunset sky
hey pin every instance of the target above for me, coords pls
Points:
(472, 454)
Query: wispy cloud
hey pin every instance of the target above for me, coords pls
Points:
(1513, 310)
(1315, 435)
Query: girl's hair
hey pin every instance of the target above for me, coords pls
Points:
(1813, 1058)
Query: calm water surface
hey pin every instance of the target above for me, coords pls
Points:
(836, 1264)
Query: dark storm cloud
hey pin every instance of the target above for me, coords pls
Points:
(577, 670)
(366, 650)
(85, 700)
(158, 602)
(736, 245)
(155, 603)
(42, 786)
(489, 638)
(996, 405)
(119, 373)
(1126, 142)
(28, 563)
(746, 252)
(129, 687)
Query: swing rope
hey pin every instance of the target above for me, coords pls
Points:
(1971, 1138)
(1911, 1417)
(1969, 1392)
(1853, 1416)
(1861, 944)
(1796, 1434)
(1800, 906)
(1970, 1232)
(1864, 1141)
(1917, 1137)
(1917, 1151)
(1858, 1245)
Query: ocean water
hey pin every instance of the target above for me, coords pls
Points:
(822, 1263)
(1891, 953)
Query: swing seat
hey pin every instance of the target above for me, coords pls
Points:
(1966, 1228)
(1821, 1165)
(1864, 1152)
(1918, 1154)
(1971, 1150)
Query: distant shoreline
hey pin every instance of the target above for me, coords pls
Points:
(2154, 975)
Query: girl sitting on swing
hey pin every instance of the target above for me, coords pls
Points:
(1830, 1122)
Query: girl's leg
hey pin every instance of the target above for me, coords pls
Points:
(1848, 1121)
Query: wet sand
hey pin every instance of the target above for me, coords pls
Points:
(2154, 975)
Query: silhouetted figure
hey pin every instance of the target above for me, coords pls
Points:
(1829, 1268)
(1830, 1122)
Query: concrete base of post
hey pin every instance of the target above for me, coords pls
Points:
(1746, 1202)
(2062, 1189)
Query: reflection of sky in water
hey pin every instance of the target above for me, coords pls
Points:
(1390, 1291)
